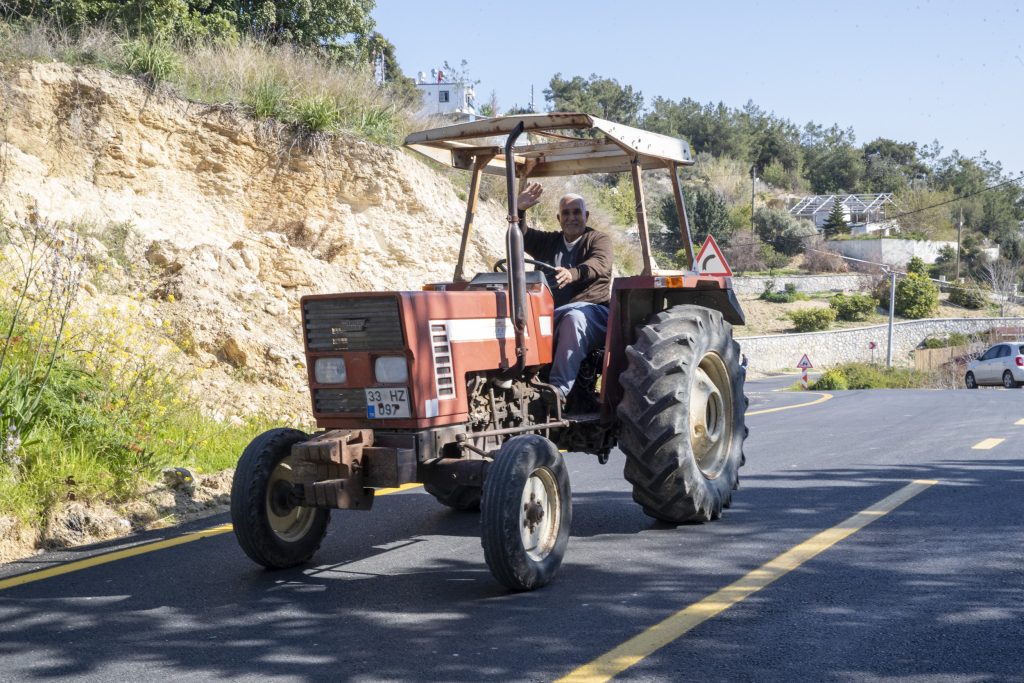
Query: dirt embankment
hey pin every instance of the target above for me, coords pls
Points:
(228, 222)
(222, 224)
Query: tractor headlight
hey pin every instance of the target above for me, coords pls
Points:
(391, 369)
(330, 371)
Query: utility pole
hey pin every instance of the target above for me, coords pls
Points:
(959, 228)
(753, 182)
(892, 312)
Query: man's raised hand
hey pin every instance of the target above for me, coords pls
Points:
(530, 196)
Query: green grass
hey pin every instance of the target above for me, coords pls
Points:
(316, 114)
(301, 90)
(106, 422)
(91, 406)
(155, 61)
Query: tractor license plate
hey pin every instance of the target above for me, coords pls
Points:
(387, 403)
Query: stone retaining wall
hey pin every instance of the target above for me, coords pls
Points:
(825, 349)
(753, 285)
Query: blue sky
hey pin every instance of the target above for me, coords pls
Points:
(911, 71)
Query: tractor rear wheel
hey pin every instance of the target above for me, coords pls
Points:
(682, 415)
(525, 513)
(271, 527)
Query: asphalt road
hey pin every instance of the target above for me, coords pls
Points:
(925, 587)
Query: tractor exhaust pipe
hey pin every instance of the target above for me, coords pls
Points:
(514, 256)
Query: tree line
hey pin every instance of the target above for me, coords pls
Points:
(822, 160)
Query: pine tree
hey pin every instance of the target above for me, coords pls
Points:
(836, 223)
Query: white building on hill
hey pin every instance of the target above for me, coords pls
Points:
(863, 212)
(443, 97)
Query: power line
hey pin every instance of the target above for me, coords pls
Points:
(960, 198)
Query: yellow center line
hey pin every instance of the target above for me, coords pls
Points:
(105, 558)
(824, 397)
(1019, 422)
(634, 650)
(987, 444)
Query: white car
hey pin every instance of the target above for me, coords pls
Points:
(1003, 364)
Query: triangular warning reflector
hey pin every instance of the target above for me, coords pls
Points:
(710, 260)
(804, 363)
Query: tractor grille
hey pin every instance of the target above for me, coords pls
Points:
(339, 401)
(353, 324)
(441, 347)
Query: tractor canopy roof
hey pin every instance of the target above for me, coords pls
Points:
(560, 144)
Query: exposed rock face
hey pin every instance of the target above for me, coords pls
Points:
(230, 225)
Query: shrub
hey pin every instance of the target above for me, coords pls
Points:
(812, 319)
(786, 296)
(832, 379)
(880, 291)
(153, 60)
(772, 259)
(785, 232)
(618, 200)
(917, 266)
(958, 339)
(916, 297)
(744, 257)
(90, 403)
(316, 114)
(818, 260)
(266, 99)
(969, 296)
(954, 339)
(854, 306)
(868, 376)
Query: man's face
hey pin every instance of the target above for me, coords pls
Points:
(572, 216)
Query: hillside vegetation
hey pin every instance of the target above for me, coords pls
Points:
(140, 331)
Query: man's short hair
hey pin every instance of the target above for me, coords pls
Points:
(571, 198)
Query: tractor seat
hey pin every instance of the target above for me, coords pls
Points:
(499, 281)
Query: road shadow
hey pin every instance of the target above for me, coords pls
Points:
(375, 607)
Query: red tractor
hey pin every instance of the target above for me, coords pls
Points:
(447, 386)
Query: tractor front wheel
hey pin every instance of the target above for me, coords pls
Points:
(682, 415)
(272, 528)
(526, 512)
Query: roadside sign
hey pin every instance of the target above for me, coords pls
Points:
(710, 260)
(872, 345)
(804, 363)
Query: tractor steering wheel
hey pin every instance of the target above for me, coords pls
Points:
(500, 266)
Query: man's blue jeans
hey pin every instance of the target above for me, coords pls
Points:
(579, 329)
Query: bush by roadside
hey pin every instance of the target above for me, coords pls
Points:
(853, 307)
(970, 296)
(812, 319)
(93, 404)
(786, 296)
(868, 376)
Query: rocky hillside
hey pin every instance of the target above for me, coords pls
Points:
(225, 222)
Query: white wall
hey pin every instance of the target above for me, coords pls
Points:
(825, 349)
(753, 285)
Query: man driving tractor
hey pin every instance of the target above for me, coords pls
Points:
(580, 285)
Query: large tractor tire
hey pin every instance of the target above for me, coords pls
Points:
(457, 497)
(271, 529)
(525, 513)
(682, 415)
